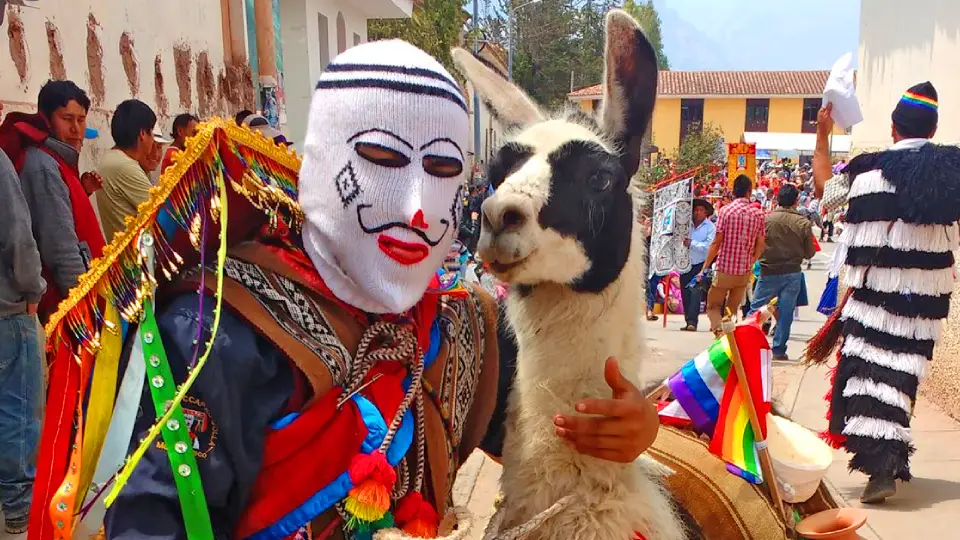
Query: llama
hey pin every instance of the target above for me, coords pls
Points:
(561, 230)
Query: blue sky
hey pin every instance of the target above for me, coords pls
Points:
(758, 34)
(755, 34)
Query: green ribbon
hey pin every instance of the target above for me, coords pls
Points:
(176, 436)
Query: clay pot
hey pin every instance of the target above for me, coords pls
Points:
(835, 524)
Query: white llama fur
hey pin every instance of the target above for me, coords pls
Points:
(611, 499)
(564, 336)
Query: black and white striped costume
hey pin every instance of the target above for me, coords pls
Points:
(900, 237)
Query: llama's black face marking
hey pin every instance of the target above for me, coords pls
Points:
(509, 158)
(589, 202)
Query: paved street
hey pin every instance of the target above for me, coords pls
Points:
(923, 508)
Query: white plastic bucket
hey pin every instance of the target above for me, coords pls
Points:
(800, 458)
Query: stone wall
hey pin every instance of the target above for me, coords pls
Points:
(942, 385)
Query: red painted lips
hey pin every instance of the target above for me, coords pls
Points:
(405, 253)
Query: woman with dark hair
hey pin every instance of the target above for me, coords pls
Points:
(184, 126)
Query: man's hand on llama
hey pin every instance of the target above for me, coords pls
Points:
(618, 429)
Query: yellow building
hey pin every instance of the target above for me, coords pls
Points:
(775, 109)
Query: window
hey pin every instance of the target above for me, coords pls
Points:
(810, 108)
(758, 110)
(691, 116)
(341, 33)
(356, 39)
(323, 35)
(595, 104)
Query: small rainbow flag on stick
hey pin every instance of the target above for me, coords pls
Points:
(707, 393)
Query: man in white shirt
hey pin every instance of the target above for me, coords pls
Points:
(701, 236)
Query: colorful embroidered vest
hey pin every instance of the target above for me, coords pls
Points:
(320, 337)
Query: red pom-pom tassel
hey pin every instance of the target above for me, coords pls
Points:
(373, 478)
(417, 517)
(373, 467)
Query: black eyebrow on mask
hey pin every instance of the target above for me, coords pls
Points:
(443, 139)
(385, 132)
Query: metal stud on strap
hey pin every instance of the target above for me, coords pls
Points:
(176, 437)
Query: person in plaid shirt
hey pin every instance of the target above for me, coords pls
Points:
(737, 245)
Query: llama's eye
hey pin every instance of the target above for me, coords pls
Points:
(600, 182)
(381, 155)
(442, 166)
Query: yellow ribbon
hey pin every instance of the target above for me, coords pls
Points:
(102, 394)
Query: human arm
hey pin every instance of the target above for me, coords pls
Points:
(810, 249)
(52, 218)
(712, 251)
(822, 168)
(17, 242)
(759, 246)
(617, 429)
(132, 183)
(492, 443)
(244, 387)
(485, 410)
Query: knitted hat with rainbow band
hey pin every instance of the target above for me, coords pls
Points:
(916, 114)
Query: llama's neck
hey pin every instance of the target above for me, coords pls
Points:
(564, 336)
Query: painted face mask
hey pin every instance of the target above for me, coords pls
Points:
(382, 170)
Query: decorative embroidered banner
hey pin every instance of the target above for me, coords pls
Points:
(672, 218)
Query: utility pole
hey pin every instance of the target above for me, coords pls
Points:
(511, 16)
(476, 96)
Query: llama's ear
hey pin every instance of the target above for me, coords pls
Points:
(630, 86)
(507, 103)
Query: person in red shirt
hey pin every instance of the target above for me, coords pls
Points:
(184, 126)
(737, 245)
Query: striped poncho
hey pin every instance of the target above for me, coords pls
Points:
(899, 239)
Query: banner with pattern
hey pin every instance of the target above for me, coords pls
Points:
(672, 219)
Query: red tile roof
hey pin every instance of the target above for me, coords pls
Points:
(731, 83)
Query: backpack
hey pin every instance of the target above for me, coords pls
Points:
(18, 132)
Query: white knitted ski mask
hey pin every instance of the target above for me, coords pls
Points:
(382, 170)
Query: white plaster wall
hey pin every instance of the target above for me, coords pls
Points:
(899, 49)
(155, 27)
(491, 133)
(301, 49)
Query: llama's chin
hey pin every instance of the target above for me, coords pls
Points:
(509, 273)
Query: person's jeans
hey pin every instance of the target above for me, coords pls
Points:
(652, 283)
(691, 296)
(785, 288)
(21, 391)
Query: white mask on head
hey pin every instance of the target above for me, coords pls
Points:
(382, 169)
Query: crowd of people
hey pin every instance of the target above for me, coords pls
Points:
(751, 250)
(51, 234)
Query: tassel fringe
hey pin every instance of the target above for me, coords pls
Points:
(827, 338)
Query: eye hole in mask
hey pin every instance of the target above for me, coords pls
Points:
(381, 155)
(442, 166)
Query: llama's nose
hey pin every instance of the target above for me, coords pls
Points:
(500, 216)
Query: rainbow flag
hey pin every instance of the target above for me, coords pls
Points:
(706, 391)
(698, 388)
